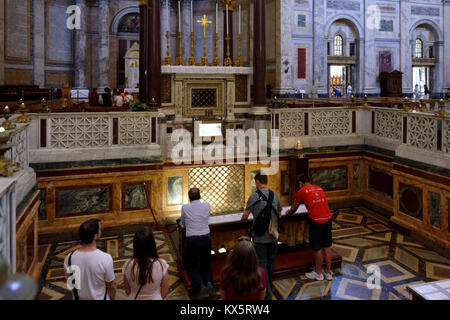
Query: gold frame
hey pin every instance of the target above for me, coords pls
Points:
(219, 110)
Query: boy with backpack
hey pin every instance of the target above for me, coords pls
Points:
(266, 208)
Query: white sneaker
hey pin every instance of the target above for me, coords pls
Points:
(314, 275)
(328, 276)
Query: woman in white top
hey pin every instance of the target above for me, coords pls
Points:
(145, 276)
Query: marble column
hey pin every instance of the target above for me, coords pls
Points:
(186, 29)
(154, 52)
(446, 57)
(142, 50)
(259, 53)
(230, 30)
(103, 48)
(2, 41)
(38, 43)
(81, 47)
(405, 46)
(319, 53)
(439, 69)
(284, 48)
(370, 72)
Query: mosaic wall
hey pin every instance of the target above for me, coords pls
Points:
(330, 179)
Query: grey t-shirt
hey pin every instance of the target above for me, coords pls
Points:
(258, 208)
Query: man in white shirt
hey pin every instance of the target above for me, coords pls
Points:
(118, 100)
(91, 271)
(195, 218)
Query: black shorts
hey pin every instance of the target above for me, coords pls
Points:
(320, 235)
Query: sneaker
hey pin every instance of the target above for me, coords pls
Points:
(314, 275)
(328, 276)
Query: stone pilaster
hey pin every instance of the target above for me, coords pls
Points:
(259, 53)
(2, 42)
(370, 72)
(103, 48)
(446, 57)
(81, 47)
(439, 69)
(154, 52)
(39, 42)
(405, 46)
(284, 48)
(320, 54)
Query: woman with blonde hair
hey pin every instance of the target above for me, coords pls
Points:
(145, 276)
(242, 278)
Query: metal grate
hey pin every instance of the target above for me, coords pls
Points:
(204, 98)
(221, 186)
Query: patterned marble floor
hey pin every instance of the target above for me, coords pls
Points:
(362, 238)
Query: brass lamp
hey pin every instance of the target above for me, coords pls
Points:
(406, 106)
(6, 113)
(365, 104)
(23, 110)
(44, 107)
(441, 111)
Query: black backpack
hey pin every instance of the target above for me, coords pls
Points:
(262, 221)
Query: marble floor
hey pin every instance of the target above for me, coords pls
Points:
(363, 238)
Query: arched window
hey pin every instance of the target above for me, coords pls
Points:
(338, 45)
(418, 52)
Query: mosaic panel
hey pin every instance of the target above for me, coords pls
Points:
(434, 205)
(330, 179)
(135, 197)
(221, 186)
(83, 201)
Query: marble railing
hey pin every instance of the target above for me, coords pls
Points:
(101, 135)
(420, 136)
(8, 221)
(19, 152)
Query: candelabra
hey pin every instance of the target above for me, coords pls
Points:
(168, 59)
(23, 118)
(180, 59)
(204, 60)
(228, 62)
(7, 125)
(44, 107)
(191, 60)
(216, 60)
(238, 61)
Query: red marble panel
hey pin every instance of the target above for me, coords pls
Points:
(410, 199)
(301, 63)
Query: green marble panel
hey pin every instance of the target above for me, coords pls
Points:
(435, 209)
(83, 201)
(174, 190)
(135, 197)
(330, 179)
(42, 213)
(356, 176)
(252, 180)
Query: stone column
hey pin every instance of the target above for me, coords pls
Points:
(439, 69)
(320, 54)
(143, 50)
(80, 47)
(39, 43)
(230, 29)
(2, 42)
(284, 48)
(259, 53)
(370, 72)
(154, 52)
(405, 46)
(103, 48)
(186, 29)
(446, 57)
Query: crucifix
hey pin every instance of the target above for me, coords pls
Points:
(204, 22)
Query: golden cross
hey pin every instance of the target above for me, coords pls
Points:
(204, 23)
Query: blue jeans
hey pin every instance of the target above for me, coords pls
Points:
(199, 258)
(266, 253)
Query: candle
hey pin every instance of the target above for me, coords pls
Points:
(239, 19)
(192, 18)
(226, 10)
(179, 17)
(217, 17)
(167, 14)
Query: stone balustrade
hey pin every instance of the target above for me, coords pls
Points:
(72, 136)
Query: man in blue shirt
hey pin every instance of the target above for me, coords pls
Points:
(195, 218)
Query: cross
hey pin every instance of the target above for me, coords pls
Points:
(204, 22)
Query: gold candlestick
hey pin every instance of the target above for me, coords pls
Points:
(168, 59)
(216, 60)
(23, 118)
(238, 61)
(227, 62)
(365, 104)
(406, 106)
(7, 124)
(191, 60)
(180, 60)
(441, 111)
(423, 106)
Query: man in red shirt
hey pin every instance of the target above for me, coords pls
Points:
(319, 215)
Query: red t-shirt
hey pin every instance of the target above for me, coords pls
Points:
(230, 294)
(315, 201)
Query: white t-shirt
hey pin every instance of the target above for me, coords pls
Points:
(118, 101)
(96, 268)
